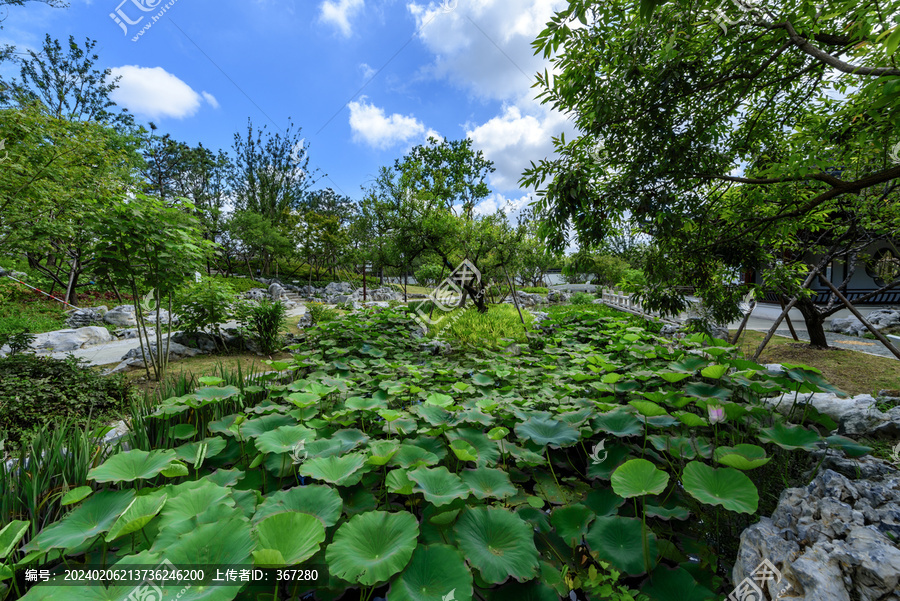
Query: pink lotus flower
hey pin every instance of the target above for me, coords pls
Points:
(716, 414)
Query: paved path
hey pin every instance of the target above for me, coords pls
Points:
(112, 352)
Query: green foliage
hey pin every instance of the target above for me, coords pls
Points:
(318, 312)
(263, 323)
(581, 298)
(40, 390)
(535, 290)
(471, 327)
(375, 458)
(203, 306)
(238, 285)
(431, 274)
(24, 309)
(18, 341)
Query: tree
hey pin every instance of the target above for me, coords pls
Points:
(145, 244)
(59, 183)
(270, 177)
(67, 84)
(732, 146)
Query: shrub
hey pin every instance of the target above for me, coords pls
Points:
(238, 285)
(40, 390)
(204, 306)
(263, 323)
(17, 342)
(581, 298)
(633, 280)
(485, 329)
(535, 290)
(318, 312)
(430, 274)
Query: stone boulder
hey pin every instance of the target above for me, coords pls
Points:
(122, 316)
(855, 416)
(276, 292)
(62, 341)
(135, 358)
(829, 541)
(339, 288)
(86, 317)
(880, 319)
(256, 294)
(526, 299)
(558, 296)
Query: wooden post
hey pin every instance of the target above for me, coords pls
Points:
(878, 335)
(740, 331)
(787, 318)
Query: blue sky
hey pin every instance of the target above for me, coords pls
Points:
(365, 79)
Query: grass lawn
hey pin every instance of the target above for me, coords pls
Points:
(852, 372)
(206, 365)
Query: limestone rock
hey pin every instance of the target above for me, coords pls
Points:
(86, 317)
(558, 296)
(880, 319)
(62, 341)
(856, 416)
(135, 358)
(256, 294)
(829, 541)
(276, 291)
(339, 288)
(122, 316)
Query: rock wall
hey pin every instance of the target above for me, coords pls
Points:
(833, 540)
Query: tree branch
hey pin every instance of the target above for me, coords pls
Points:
(822, 56)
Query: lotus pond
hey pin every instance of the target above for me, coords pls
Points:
(597, 458)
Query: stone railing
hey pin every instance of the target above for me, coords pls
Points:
(623, 301)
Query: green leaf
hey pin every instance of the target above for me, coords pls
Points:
(372, 547)
(619, 423)
(408, 456)
(90, 519)
(675, 585)
(571, 522)
(441, 400)
(714, 371)
(498, 543)
(435, 573)
(849, 446)
(439, 485)
(482, 380)
(341, 471)
(132, 465)
(137, 515)
(620, 541)
(296, 536)
(182, 431)
(382, 451)
(398, 482)
(75, 495)
(488, 483)
(724, 486)
(743, 456)
(10, 536)
(498, 433)
(638, 477)
(791, 437)
(284, 439)
(464, 450)
(545, 431)
(318, 500)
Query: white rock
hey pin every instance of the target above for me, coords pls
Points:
(122, 316)
(62, 341)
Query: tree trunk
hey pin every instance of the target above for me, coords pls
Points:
(71, 289)
(815, 322)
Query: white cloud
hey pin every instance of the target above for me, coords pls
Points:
(485, 45)
(210, 99)
(155, 93)
(367, 71)
(339, 12)
(513, 139)
(512, 207)
(371, 126)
